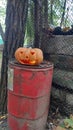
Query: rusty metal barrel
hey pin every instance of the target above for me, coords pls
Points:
(28, 95)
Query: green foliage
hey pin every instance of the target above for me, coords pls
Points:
(68, 123)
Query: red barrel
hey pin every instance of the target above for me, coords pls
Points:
(28, 95)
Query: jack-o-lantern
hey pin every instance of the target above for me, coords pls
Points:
(30, 56)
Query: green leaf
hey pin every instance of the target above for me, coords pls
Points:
(68, 123)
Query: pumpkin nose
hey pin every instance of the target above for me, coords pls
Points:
(27, 57)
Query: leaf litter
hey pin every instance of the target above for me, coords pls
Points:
(55, 121)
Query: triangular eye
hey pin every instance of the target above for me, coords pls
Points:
(21, 52)
(32, 52)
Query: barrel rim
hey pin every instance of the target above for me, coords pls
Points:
(45, 64)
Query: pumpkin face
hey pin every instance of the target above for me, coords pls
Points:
(19, 54)
(31, 56)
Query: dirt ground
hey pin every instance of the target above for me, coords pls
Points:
(3, 123)
(54, 119)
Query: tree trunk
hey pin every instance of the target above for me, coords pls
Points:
(16, 15)
(65, 21)
(45, 13)
(62, 19)
(51, 13)
(37, 23)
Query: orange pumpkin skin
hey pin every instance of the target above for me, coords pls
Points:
(19, 54)
(30, 56)
(39, 55)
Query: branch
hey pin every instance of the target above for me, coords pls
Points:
(2, 33)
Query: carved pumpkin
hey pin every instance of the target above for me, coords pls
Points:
(31, 56)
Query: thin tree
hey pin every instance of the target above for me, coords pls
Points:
(63, 14)
(51, 11)
(37, 23)
(45, 4)
(65, 22)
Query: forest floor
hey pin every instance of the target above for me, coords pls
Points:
(3, 122)
(53, 122)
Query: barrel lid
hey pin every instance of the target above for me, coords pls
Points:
(44, 64)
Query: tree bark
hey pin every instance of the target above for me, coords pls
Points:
(45, 4)
(37, 23)
(16, 15)
(51, 13)
(65, 21)
(62, 19)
